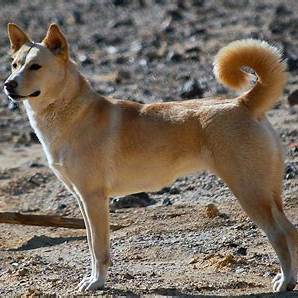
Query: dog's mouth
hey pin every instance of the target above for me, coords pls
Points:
(18, 97)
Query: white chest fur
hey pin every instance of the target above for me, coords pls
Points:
(45, 139)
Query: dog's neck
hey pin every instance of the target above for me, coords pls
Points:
(52, 118)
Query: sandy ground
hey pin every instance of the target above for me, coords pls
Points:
(144, 51)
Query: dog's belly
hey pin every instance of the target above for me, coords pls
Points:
(150, 178)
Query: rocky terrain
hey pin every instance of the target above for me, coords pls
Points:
(190, 238)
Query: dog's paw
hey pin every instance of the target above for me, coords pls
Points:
(85, 279)
(281, 284)
(91, 284)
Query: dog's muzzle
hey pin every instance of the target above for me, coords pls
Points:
(10, 90)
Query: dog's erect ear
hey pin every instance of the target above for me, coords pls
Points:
(56, 42)
(17, 37)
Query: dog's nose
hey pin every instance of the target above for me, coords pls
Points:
(11, 85)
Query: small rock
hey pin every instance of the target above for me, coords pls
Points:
(239, 270)
(163, 190)
(269, 274)
(122, 75)
(98, 38)
(62, 206)
(226, 261)
(242, 251)
(147, 92)
(282, 10)
(174, 191)
(38, 179)
(106, 90)
(181, 4)
(191, 89)
(292, 60)
(77, 17)
(293, 98)
(21, 139)
(175, 14)
(121, 60)
(33, 137)
(13, 106)
(85, 60)
(120, 2)
(141, 199)
(291, 171)
(124, 22)
(174, 56)
(194, 260)
(32, 292)
(22, 271)
(35, 164)
(193, 53)
(198, 3)
(211, 211)
(277, 26)
(128, 276)
(167, 26)
(166, 202)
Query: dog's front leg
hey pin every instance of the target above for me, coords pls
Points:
(62, 176)
(96, 207)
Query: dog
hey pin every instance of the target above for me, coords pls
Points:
(102, 147)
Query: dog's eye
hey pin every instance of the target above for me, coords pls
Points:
(35, 66)
(14, 65)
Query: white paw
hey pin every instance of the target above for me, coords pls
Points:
(91, 284)
(281, 284)
(83, 281)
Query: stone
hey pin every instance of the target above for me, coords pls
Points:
(191, 89)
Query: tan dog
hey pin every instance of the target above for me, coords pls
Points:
(101, 147)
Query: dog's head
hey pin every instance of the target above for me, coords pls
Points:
(38, 69)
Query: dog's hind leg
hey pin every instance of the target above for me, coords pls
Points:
(263, 210)
(284, 232)
(256, 182)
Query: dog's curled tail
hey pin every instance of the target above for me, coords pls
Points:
(268, 65)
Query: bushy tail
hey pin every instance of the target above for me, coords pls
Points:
(268, 65)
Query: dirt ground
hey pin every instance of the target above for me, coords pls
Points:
(180, 245)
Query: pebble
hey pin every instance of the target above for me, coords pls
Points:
(191, 89)
(239, 270)
(122, 75)
(242, 251)
(35, 164)
(167, 26)
(198, 3)
(131, 201)
(174, 190)
(22, 271)
(166, 202)
(282, 10)
(77, 17)
(120, 2)
(33, 137)
(174, 57)
(211, 211)
(175, 14)
(291, 171)
(293, 98)
(124, 22)
(292, 60)
(85, 60)
(13, 106)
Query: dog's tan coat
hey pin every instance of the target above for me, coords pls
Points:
(102, 147)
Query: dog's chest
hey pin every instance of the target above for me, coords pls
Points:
(45, 139)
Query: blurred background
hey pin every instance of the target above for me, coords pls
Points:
(147, 51)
